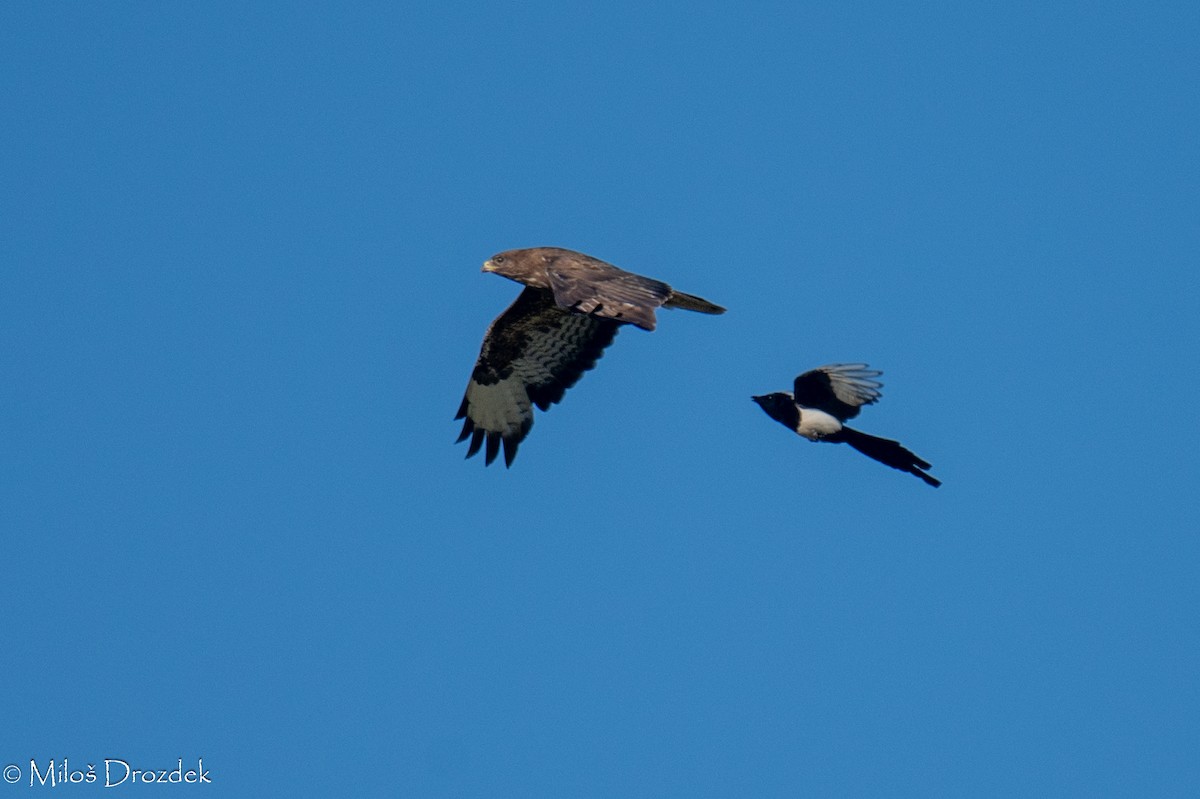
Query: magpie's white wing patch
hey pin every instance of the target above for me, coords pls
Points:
(531, 354)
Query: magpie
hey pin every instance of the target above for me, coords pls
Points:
(826, 397)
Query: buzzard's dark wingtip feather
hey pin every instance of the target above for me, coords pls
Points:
(493, 448)
(462, 411)
(468, 426)
(510, 451)
(476, 441)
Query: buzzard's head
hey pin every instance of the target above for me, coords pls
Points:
(523, 266)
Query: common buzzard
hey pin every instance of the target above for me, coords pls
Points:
(829, 395)
(555, 331)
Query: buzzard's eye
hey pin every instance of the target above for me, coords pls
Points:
(499, 259)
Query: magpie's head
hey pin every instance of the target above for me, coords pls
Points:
(779, 406)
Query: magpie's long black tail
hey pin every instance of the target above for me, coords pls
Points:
(886, 451)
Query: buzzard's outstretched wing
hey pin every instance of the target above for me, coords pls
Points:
(591, 286)
(839, 389)
(531, 354)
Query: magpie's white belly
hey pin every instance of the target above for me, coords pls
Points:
(815, 425)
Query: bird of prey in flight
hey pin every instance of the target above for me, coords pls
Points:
(824, 398)
(558, 327)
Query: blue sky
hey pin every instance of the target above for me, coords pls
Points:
(242, 299)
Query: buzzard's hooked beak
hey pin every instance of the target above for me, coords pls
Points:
(488, 266)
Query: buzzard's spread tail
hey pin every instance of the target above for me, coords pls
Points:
(887, 452)
(690, 302)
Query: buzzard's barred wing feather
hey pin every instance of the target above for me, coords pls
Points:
(531, 354)
(839, 389)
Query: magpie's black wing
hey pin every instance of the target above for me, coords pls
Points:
(839, 389)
